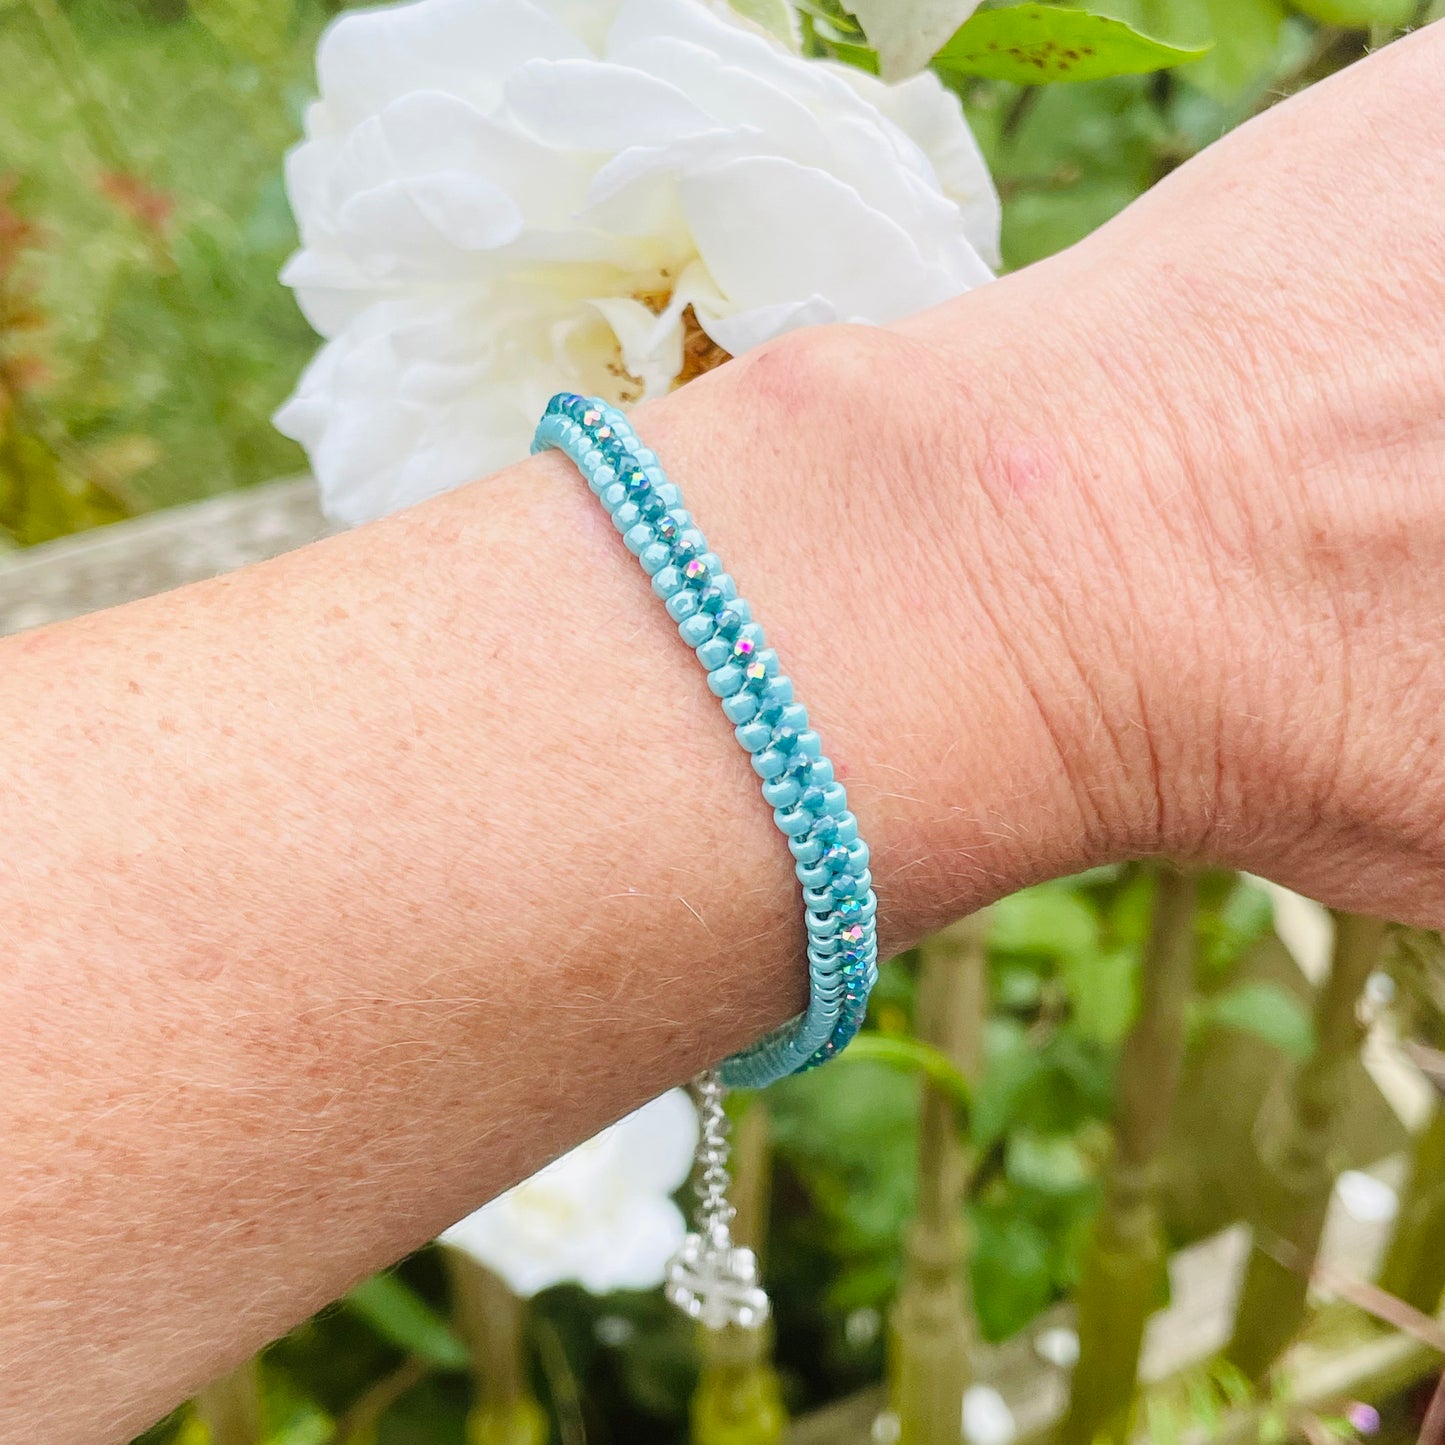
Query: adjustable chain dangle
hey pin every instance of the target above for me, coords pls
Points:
(710, 1278)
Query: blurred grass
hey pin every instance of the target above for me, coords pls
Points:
(150, 171)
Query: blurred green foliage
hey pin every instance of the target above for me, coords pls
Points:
(142, 147)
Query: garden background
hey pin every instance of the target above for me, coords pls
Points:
(1005, 1138)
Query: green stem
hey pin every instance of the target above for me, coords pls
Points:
(1414, 1268)
(1292, 1140)
(362, 1415)
(493, 1323)
(1123, 1269)
(231, 1409)
(932, 1333)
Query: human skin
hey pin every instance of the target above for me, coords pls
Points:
(342, 892)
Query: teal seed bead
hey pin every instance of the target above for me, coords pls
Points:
(601, 479)
(821, 772)
(695, 630)
(814, 875)
(754, 735)
(823, 925)
(769, 763)
(715, 652)
(635, 539)
(726, 680)
(654, 557)
(612, 497)
(741, 707)
(781, 792)
(666, 581)
(681, 604)
(792, 820)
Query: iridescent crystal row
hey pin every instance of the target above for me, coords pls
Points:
(809, 805)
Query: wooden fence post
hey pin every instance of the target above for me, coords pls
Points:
(931, 1327)
(1123, 1269)
(1296, 1174)
(493, 1323)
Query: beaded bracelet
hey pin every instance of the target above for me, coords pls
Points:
(809, 805)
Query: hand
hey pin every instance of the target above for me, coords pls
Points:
(1235, 503)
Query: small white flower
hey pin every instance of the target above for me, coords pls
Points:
(500, 199)
(1058, 1346)
(1366, 1198)
(987, 1419)
(601, 1216)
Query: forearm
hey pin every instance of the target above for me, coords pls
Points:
(343, 892)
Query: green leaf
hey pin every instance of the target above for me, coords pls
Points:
(1103, 988)
(1050, 1163)
(1358, 14)
(1247, 36)
(1265, 1010)
(1012, 1277)
(1011, 1067)
(400, 1315)
(775, 16)
(1036, 44)
(1049, 921)
(914, 1054)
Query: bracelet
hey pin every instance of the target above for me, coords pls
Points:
(710, 1278)
(809, 805)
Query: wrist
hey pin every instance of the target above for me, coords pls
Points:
(874, 494)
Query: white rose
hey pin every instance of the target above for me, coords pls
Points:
(500, 199)
(601, 1216)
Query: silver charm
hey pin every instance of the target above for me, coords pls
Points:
(710, 1278)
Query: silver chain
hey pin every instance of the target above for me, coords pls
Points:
(715, 1211)
(710, 1278)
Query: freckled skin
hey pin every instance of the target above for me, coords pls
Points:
(396, 866)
